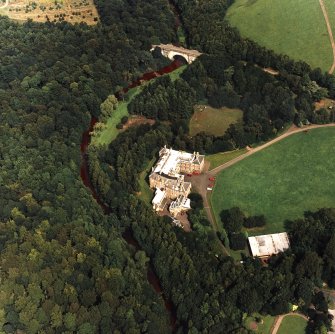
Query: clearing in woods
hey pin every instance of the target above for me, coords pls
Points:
(262, 326)
(213, 121)
(292, 324)
(281, 181)
(296, 28)
(73, 11)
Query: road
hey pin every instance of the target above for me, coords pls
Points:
(330, 33)
(200, 182)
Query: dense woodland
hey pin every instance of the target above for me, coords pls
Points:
(65, 267)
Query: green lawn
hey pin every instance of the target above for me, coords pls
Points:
(296, 28)
(262, 328)
(110, 132)
(292, 324)
(146, 194)
(218, 159)
(213, 121)
(282, 181)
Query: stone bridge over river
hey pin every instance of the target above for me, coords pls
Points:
(170, 51)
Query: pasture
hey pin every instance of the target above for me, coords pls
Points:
(282, 181)
(213, 121)
(296, 28)
(73, 11)
(292, 324)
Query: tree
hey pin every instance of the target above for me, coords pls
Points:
(232, 219)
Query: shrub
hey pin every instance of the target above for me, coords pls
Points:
(124, 119)
(119, 126)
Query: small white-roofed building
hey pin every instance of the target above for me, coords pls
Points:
(269, 244)
(158, 200)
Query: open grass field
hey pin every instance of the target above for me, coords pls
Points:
(260, 328)
(292, 324)
(110, 132)
(213, 121)
(73, 11)
(221, 158)
(282, 181)
(296, 28)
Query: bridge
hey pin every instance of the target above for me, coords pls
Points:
(170, 51)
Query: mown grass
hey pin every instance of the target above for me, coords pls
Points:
(213, 121)
(292, 324)
(296, 28)
(146, 194)
(262, 328)
(282, 181)
(110, 132)
(218, 159)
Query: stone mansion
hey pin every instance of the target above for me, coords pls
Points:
(168, 181)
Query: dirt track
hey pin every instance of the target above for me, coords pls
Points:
(330, 33)
(201, 182)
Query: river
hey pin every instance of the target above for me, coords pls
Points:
(84, 173)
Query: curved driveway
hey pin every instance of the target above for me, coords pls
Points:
(201, 181)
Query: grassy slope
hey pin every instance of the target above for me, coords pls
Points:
(146, 194)
(292, 324)
(221, 158)
(107, 135)
(214, 121)
(296, 28)
(281, 181)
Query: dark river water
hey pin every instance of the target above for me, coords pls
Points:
(84, 173)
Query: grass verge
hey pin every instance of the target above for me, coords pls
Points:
(218, 159)
(146, 194)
